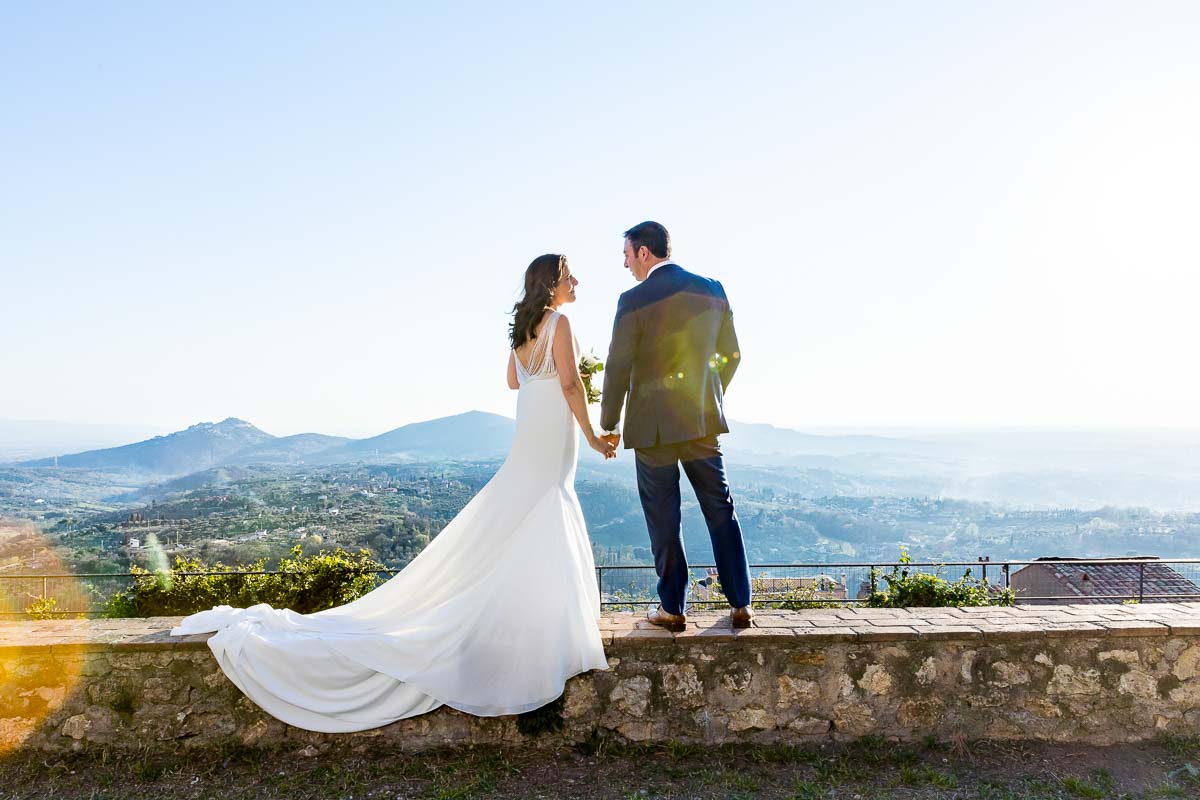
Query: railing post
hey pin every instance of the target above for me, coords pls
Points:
(871, 574)
(1141, 580)
(44, 590)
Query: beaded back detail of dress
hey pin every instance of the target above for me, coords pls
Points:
(541, 358)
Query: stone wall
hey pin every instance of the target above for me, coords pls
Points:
(1094, 674)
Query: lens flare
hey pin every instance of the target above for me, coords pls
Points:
(157, 558)
(34, 682)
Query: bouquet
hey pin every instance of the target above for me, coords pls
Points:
(590, 365)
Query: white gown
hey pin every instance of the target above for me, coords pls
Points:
(491, 618)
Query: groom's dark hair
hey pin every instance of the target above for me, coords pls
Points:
(651, 234)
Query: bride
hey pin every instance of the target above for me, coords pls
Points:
(494, 615)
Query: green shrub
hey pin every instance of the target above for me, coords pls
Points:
(908, 589)
(320, 581)
(45, 608)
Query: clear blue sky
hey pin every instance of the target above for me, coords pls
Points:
(315, 216)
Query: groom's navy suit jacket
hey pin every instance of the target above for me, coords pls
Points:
(673, 353)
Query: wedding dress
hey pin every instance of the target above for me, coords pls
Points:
(491, 618)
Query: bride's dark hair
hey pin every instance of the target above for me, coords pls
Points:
(541, 278)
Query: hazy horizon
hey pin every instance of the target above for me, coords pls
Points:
(831, 430)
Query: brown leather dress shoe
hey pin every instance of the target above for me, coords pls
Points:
(741, 617)
(663, 619)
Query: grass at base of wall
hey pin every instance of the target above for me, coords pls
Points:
(864, 770)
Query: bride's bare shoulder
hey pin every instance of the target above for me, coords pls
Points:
(564, 337)
(563, 324)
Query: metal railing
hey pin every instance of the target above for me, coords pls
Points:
(852, 581)
(626, 585)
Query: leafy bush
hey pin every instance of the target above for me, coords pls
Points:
(907, 589)
(305, 585)
(45, 608)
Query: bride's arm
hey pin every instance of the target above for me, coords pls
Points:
(566, 363)
(512, 371)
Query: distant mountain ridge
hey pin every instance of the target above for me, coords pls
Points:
(474, 435)
(236, 442)
(471, 435)
(197, 447)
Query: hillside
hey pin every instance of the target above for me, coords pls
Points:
(198, 447)
(475, 434)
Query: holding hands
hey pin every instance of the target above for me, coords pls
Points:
(604, 445)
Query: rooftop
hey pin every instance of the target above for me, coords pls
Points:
(1093, 582)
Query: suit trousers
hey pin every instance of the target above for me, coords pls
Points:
(658, 485)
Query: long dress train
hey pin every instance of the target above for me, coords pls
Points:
(491, 618)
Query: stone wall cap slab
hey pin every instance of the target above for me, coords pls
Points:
(642, 633)
(761, 633)
(895, 633)
(710, 634)
(822, 622)
(1057, 630)
(970, 611)
(817, 635)
(1136, 627)
(68, 647)
(184, 642)
(778, 620)
(940, 632)
(1051, 621)
(869, 613)
(1012, 632)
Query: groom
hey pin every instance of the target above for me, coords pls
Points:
(673, 352)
